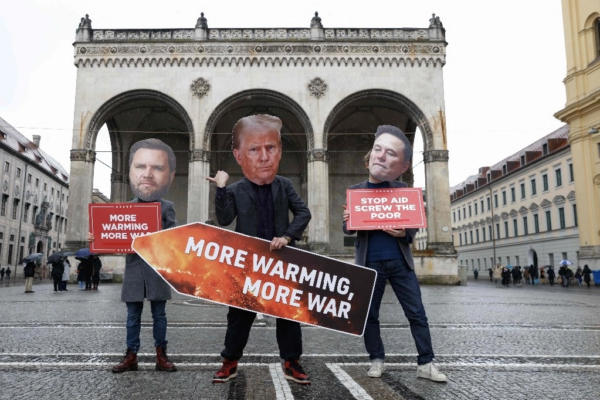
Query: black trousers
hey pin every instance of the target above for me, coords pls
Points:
(239, 323)
(57, 283)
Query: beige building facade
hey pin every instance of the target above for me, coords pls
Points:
(35, 194)
(520, 211)
(331, 87)
(582, 113)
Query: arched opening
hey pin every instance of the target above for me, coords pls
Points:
(40, 247)
(349, 135)
(532, 258)
(296, 136)
(128, 118)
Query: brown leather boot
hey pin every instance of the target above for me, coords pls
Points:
(129, 362)
(162, 361)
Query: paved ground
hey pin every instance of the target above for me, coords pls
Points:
(494, 343)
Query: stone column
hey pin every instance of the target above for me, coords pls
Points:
(318, 199)
(198, 186)
(439, 232)
(80, 195)
(119, 183)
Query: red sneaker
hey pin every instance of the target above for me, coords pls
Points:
(228, 370)
(294, 372)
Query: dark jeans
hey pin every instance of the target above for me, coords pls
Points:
(57, 283)
(134, 323)
(406, 287)
(63, 285)
(239, 323)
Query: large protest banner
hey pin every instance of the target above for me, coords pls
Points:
(237, 270)
(392, 208)
(115, 225)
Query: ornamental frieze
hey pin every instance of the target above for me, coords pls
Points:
(255, 49)
(199, 155)
(317, 155)
(435, 156)
(83, 155)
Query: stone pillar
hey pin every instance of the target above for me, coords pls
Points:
(198, 186)
(119, 184)
(80, 195)
(439, 232)
(318, 199)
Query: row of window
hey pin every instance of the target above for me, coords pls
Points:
(513, 194)
(486, 236)
(37, 180)
(508, 260)
(21, 251)
(58, 225)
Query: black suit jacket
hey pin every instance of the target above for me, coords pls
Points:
(241, 202)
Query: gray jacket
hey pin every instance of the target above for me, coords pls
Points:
(140, 279)
(241, 202)
(362, 239)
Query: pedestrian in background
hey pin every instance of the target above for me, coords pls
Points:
(579, 275)
(29, 272)
(543, 276)
(505, 277)
(491, 274)
(497, 272)
(2, 274)
(587, 272)
(88, 271)
(564, 276)
(551, 275)
(533, 274)
(80, 276)
(526, 276)
(96, 273)
(57, 273)
(517, 275)
(66, 273)
(475, 273)
(8, 271)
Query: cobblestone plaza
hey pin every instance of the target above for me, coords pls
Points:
(493, 343)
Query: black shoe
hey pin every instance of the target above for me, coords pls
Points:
(294, 372)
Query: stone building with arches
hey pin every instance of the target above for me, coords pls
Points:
(331, 87)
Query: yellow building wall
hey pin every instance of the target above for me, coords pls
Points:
(582, 113)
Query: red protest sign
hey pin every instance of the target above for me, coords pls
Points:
(115, 225)
(385, 208)
(233, 269)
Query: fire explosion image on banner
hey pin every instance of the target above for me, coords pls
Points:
(237, 270)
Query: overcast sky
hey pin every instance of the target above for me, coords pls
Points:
(503, 77)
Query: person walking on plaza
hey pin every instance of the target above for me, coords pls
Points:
(587, 272)
(151, 171)
(490, 273)
(543, 276)
(260, 203)
(497, 272)
(388, 252)
(533, 274)
(66, 273)
(96, 274)
(7, 272)
(475, 273)
(57, 273)
(551, 275)
(579, 276)
(505, 277)
(516, 275)
(526, 275)
(29, 272)
(80, 276)
(564, 276)
(88, 271)
(2, 274)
